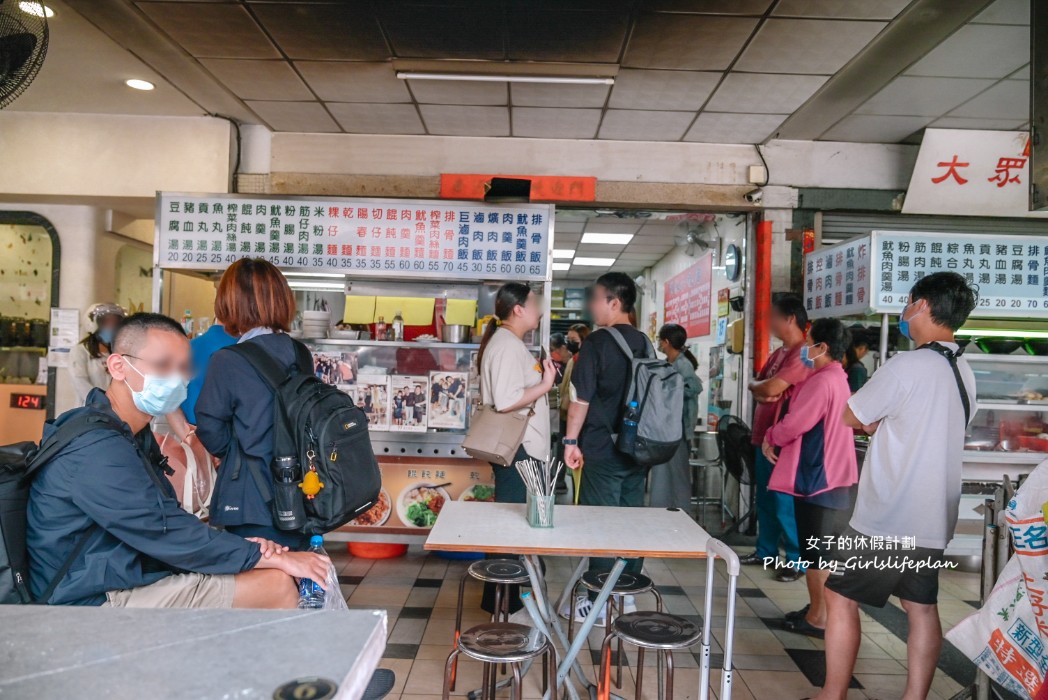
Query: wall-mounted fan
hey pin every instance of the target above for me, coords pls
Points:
(23, 45)
(693, 239)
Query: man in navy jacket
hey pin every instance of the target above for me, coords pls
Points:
(143, 550)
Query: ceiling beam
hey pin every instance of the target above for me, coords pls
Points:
(918, 29)
(130, 29)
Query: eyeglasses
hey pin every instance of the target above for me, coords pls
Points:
(164, 368)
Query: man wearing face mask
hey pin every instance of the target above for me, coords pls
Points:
(916, 407)
(102, 503)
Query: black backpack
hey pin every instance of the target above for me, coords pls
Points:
(325, 431)
(19, 464)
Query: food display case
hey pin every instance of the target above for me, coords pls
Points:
(438, 263)
(1009, 431)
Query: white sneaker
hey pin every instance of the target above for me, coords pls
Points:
(583, 606)
(522, 617)
(629, 604)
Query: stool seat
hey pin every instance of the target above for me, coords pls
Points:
(502, 642)
(656, 630)
(628, 583)
(504, 571)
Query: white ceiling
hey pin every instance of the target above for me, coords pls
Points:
(724, 71)
(655, 234)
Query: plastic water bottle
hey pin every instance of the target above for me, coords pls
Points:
(628, 438)
(310, 594)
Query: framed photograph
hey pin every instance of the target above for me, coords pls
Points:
(335, 367)
(448, 397)
(372, 395)
(408, 395)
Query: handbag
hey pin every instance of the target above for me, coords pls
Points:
(495, 437)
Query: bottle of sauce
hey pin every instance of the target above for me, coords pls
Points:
(187, 322)
(380, 328)
(398, 327)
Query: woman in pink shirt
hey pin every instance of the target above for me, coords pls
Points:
(814, 456)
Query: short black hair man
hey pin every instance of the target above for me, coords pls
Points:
(598, 381)
(910, 487)
(145, 551)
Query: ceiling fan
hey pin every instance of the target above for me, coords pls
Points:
(23, 45)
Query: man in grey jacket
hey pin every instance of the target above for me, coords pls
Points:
(141, 548)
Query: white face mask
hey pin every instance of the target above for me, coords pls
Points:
(159, 395)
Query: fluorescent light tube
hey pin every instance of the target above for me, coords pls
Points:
(607, 238)
(594, 262)
(563, 253)
(561, 267)
(494, 78)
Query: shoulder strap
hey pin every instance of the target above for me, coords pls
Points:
(951, 357)
(271, 372)
(81, 545)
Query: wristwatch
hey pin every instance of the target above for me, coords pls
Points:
(569, 441)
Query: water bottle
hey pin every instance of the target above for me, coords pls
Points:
(289, 511)
(628, 436)
(310, 594)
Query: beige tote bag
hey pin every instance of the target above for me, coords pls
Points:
(495, 437)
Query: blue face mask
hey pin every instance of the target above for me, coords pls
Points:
(904, 323)
(159, 395)
(806, 359)
(105, 335)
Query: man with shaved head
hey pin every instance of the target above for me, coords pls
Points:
(104, 503)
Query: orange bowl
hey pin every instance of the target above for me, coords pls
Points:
(377, 550)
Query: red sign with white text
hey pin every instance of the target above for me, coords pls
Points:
(688, 296)
(544, 188)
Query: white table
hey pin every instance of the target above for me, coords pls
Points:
(71, 652)
(591, 531)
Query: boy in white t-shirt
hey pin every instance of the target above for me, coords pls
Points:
(916, 407)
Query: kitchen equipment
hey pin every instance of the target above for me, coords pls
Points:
(998, 346)
(455, 333)
(345, 334)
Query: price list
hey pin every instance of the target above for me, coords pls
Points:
(361, 237)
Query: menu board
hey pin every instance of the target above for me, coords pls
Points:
(1009, 271)
(837, 279)
(687, 297)
(364, 237)
(414, 492)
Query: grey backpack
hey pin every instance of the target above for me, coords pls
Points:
(658, 390)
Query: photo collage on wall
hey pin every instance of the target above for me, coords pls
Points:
(408, 398)
(448, 400)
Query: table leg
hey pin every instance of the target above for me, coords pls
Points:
(540, 623)
(716, 548)
(581, 638)
(546, 619)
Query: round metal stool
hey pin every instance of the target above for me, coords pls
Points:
(497, 643)
(662, 632)
(628, 584)
(501, 572)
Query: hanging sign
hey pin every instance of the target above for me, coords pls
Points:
(1007, 270)
(376, 237)
(723, 302)
(687, 298)
(837, 279)
(544, 188)
(969, 172)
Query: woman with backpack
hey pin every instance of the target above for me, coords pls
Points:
(670, 483)
(235, 408)
(512, 380)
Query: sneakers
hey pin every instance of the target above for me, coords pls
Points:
(522, 617)
(629, 604)
(582, 607)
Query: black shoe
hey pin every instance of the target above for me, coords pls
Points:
(788, 575)
(802, 626)
(751, 559)
(798, 614)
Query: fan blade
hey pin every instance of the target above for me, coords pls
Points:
(15, 52)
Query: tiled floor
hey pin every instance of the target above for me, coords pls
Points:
(419, 592)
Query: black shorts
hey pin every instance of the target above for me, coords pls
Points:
(818, 528)
(870, 576)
